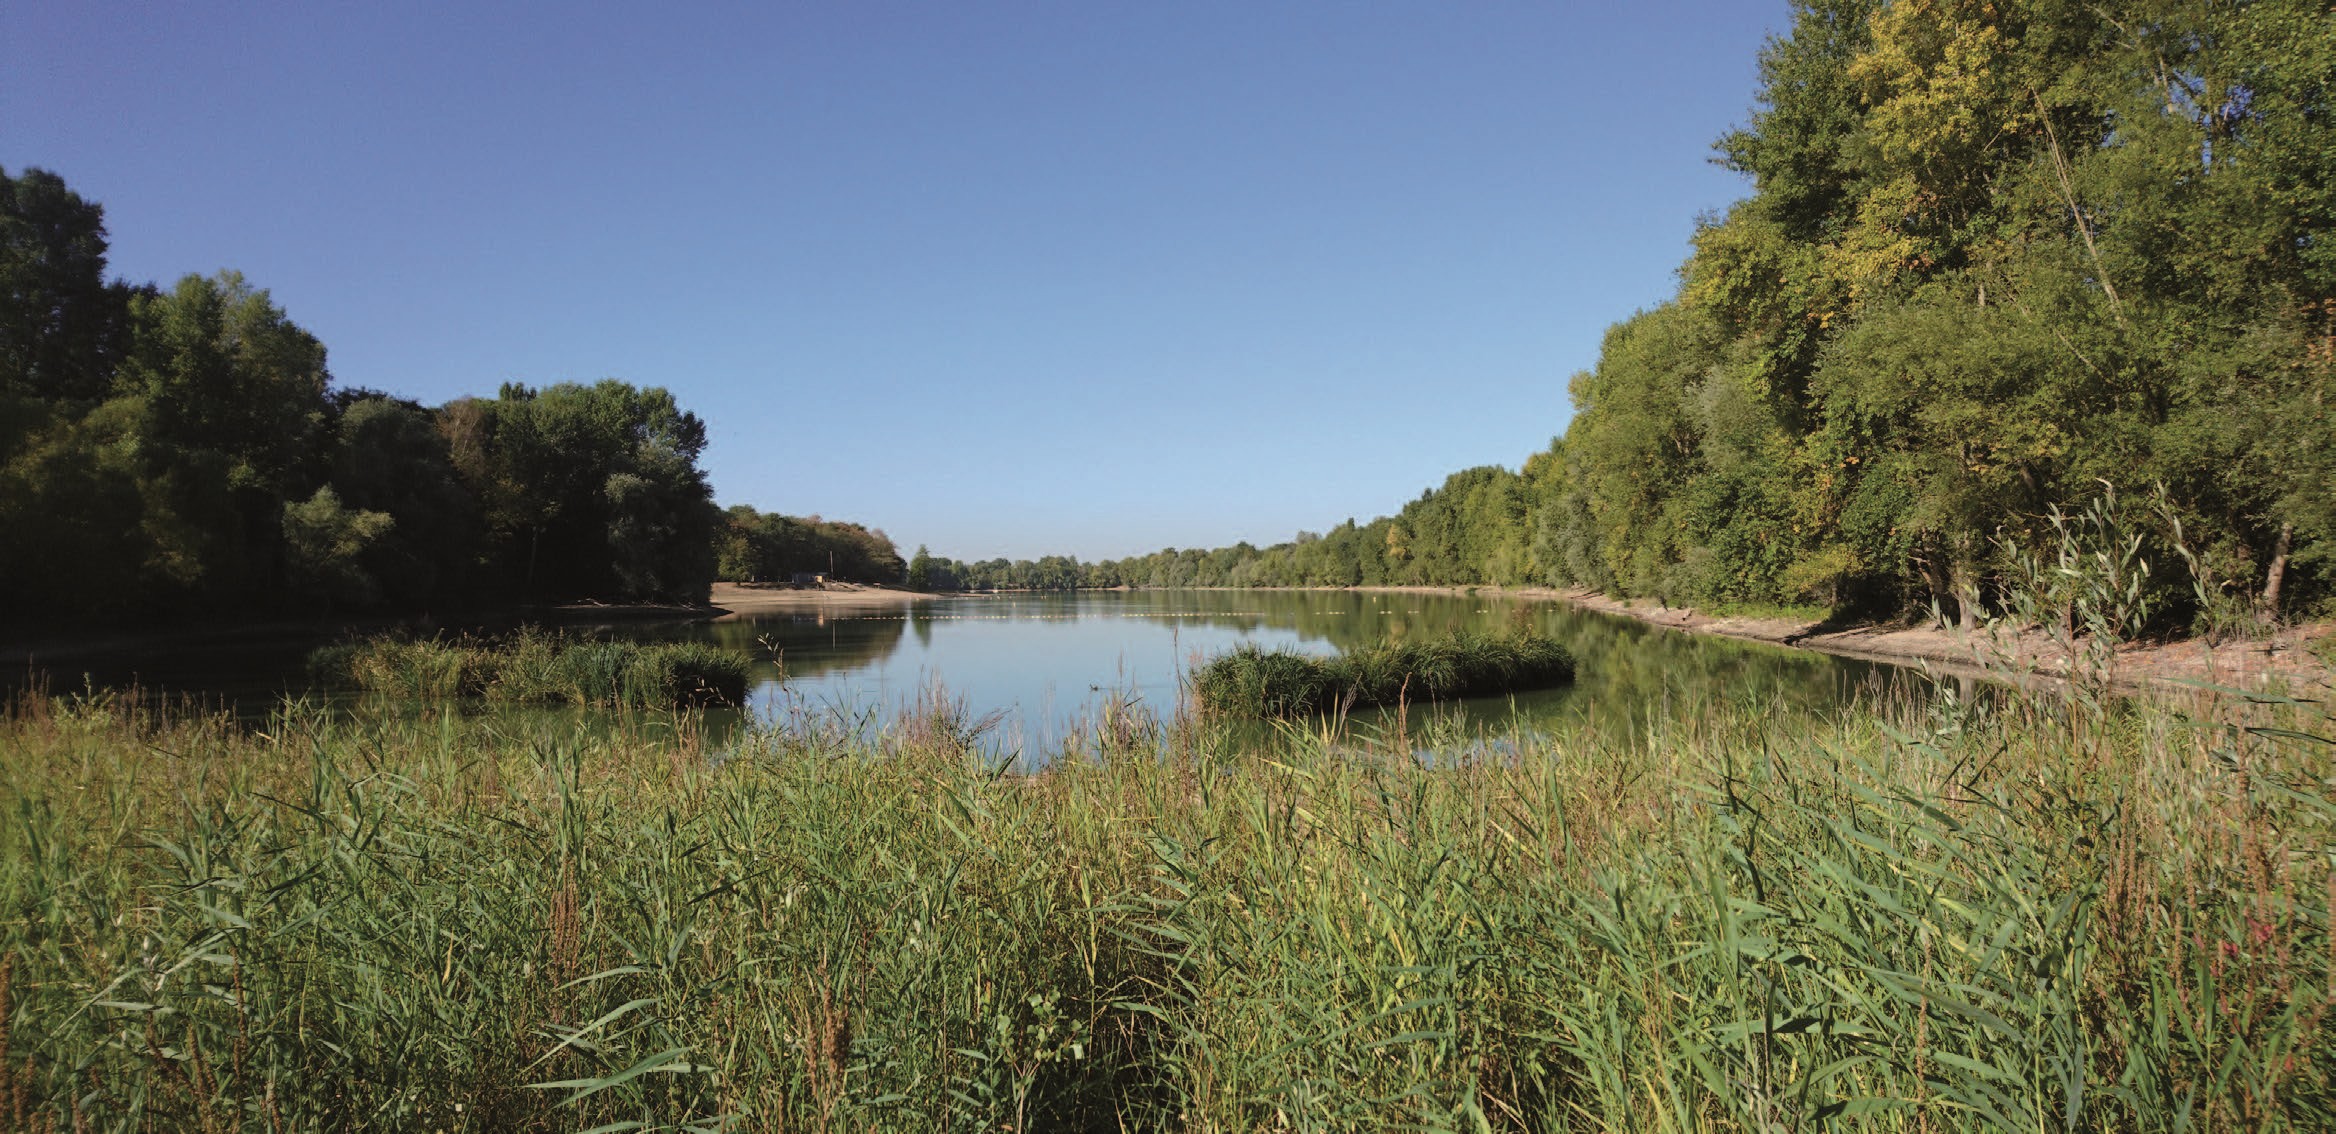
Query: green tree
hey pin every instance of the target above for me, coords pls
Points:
(63, 327)
(326, 544)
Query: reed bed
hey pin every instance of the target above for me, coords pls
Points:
(1939, 916)
(1254, 682)
(533, 667)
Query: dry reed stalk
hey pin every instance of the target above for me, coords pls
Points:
(242, 1028)
(564, 934)
(12, 1092)
(205, 1085)
(2328, 927)
(823, 1021)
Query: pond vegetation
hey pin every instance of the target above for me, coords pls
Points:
(2026, 911)
(539, 668)
(1255, 682)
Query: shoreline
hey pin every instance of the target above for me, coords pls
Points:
(739, 600)
(128, 648)
(2181, 662)
(2280, 659)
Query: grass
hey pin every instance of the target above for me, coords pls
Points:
(537, 668)
(1936, 915)
(1253, 682)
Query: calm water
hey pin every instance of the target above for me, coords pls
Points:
(1042, 664)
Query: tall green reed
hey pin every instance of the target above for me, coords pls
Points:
(535, 667)
(1930, 916)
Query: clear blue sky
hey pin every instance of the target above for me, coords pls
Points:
(1001, 278)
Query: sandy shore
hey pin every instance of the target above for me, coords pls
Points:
(738, 600)
(2280, 659)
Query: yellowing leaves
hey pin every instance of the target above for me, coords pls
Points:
(1939, 81)
(1879, 249)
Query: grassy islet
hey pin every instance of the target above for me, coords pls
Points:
(534, 667)
(1250, 681)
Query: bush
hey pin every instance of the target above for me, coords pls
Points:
(533, 667)
(1277, 683)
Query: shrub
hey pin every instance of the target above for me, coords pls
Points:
(1254, 682)
(537, 668)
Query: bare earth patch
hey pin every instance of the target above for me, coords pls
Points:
(738, 600)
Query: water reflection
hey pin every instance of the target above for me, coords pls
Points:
(1046, 662)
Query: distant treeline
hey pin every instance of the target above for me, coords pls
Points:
(764, 547)
(1996, 256)
(1472, 530)
(184, 450)
(928, 572)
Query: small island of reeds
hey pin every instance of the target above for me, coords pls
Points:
(1254, 682)
(533, 667)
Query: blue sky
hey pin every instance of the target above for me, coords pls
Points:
(1004, 279)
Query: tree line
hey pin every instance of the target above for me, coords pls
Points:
(765, 547)
(1997, 256)
(183, 449)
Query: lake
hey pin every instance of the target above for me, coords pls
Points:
(1042, 663)
(1039, 664)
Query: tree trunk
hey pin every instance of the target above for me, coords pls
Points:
(2268, 605)
(1966, 596)
(1926, 566)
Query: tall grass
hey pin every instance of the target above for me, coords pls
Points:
(1254, 682)
(538, 668)
(1940, 915)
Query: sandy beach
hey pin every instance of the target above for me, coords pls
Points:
(739, 600)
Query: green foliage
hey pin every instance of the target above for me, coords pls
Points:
(171, 450)
(765, 547)
(539, 669)
(390, 457)
(588, 491)
(326, 544)
(1995, 254)
(63, 327)
(1254, 682)
(223, 371)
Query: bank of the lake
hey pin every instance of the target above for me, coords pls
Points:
(742, 600)
(2283, 657)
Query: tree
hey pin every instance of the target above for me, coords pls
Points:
(589, 491)
(325, 544)
(390, 457)
(63, 327)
